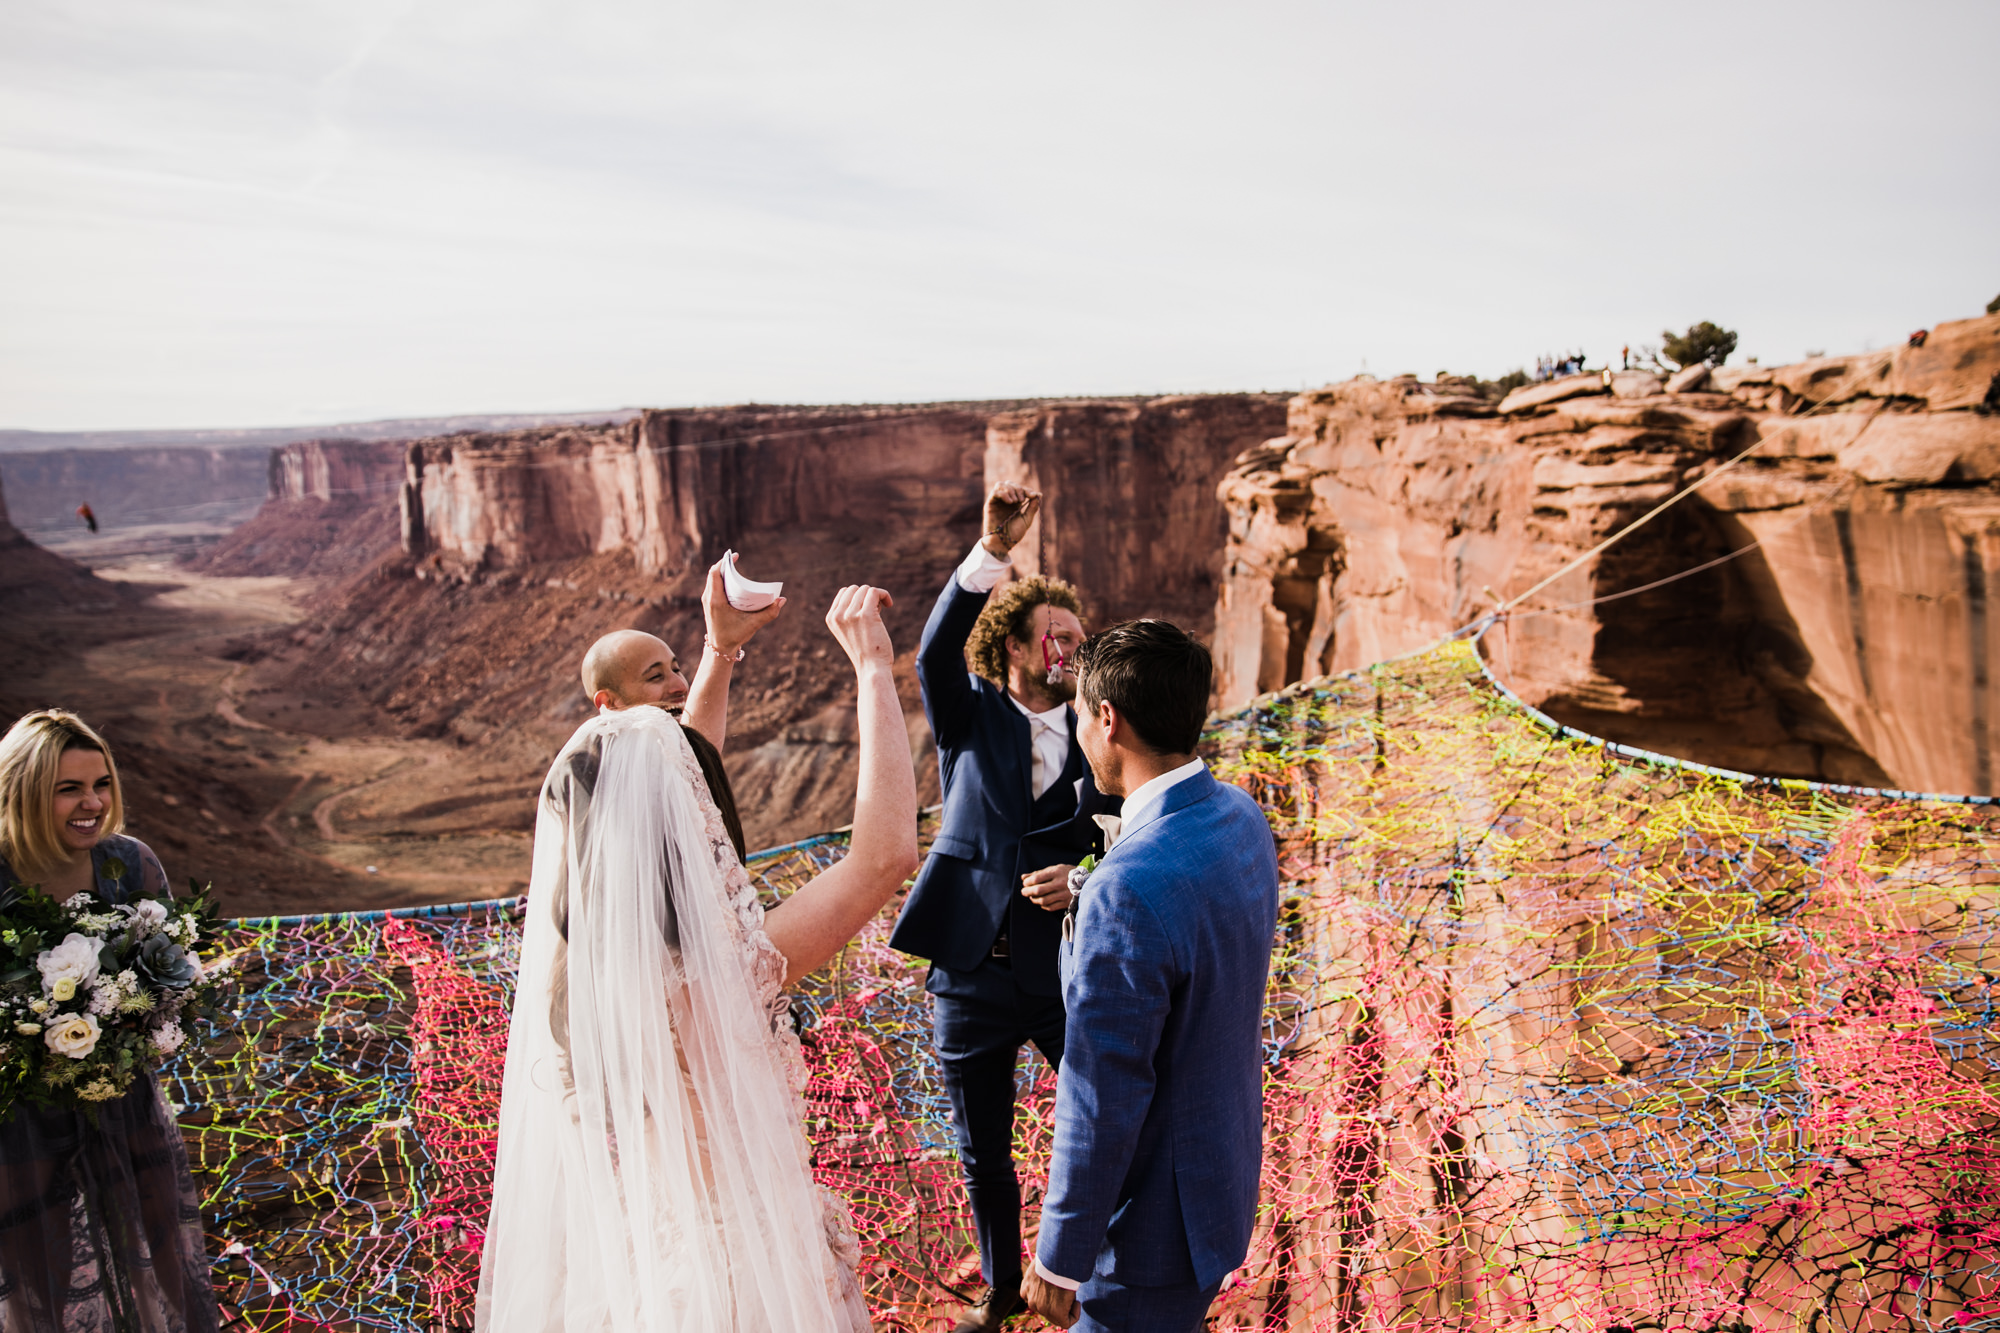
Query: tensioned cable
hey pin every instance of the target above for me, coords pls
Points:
(1661, 508)
(1505, 609)
(1674, 578)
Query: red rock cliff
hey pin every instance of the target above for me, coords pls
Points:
(1851, 643)
(520, 548)
(131, 487)
(353, 471)
(1128, 513)
(330, 512)
(675, 488)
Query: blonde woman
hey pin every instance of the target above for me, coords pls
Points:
(99, 1223)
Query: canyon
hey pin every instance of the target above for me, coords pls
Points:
(154, 500)
(1842, 632)
(514, 551)
(348, 699)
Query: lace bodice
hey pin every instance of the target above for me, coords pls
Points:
(767, 968)
(766, 964)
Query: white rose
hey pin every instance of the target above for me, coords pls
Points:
(75, 959)
(167, 1037)
(64, 990)
(27, 1029)
(146, 916)
(75, 1036)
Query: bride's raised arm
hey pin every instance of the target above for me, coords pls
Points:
(810, 926)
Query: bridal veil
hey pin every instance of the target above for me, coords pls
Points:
(653, 1172)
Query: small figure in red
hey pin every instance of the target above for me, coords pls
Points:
(89, 519)
(1917, 338)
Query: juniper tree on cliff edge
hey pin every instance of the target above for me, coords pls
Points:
(1702, 342)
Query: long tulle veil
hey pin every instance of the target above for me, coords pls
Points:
(652, 1171)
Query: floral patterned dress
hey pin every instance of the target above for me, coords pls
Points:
(100, 1228)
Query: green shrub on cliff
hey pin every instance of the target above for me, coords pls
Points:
(1702, 342)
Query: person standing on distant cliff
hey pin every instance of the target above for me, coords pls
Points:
(986, 909)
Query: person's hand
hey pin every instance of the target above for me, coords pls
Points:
(1046, 1299)
(728, 628)
(1010, 510)
(856, 620)
(1048, 888)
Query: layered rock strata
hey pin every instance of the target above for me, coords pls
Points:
(148, 501)
(518, 549)
(330, 512)
(1128, 514)
(1843, 635)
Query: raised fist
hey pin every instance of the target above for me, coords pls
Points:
(856, 621)
(1010, 511)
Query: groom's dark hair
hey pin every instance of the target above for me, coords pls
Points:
(1155, 674)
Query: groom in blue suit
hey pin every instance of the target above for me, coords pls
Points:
(1159, 1101)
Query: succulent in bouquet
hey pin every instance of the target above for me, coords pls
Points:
(92, 993)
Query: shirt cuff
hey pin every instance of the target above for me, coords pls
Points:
(1054, 1279)
(980, 571)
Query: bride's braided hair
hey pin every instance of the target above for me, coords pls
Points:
(1007, 616)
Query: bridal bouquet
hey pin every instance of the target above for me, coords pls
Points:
(92, 993)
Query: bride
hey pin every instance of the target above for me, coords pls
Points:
(653, 1170)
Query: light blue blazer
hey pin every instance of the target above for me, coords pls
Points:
(1159, 1105)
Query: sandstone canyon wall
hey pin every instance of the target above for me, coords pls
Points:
(147, 500)
(519, 548)
(1128, 513)
(330, 511)
(1847, 638)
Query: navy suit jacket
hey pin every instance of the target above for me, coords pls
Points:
(1159, 1104)
(971, 881)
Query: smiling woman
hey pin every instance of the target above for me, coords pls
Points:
(99, 1222)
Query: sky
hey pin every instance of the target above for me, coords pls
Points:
(269, 212)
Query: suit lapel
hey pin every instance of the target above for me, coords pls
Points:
(1021, 738)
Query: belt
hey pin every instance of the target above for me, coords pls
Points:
(1000, 946)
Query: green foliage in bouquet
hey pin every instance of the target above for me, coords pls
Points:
(91, 994)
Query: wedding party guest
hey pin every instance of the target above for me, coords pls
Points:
(100, 1225)
(653, 1170)
(987, 907)
(629, 668)
(1159, 1104)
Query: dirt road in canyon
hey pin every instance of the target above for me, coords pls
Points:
(288, 804)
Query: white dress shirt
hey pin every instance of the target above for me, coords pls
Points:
(1048, 733)
(1048, 744)
(981, 570)
(1141, 807)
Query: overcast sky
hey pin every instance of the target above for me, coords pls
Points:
(262, 212)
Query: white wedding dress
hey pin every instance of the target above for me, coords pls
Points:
(653, 1172)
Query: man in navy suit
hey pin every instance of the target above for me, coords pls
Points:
(1159, 1103)
(987, 906)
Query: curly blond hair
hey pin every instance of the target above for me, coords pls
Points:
(1007, 616)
